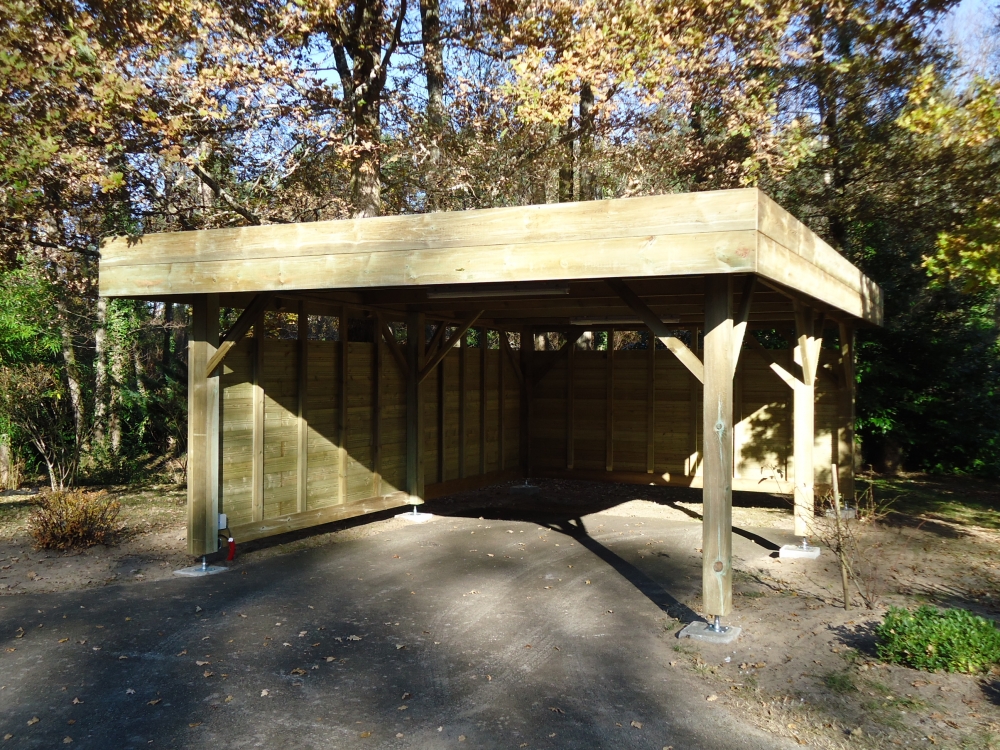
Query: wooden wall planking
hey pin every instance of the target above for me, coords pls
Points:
(280, 384)
(762, 434)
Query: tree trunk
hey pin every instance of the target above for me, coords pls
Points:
(430, 26)
(566, 167)
(100, 370)
(168, 324)
(72, 372)
(587, 187)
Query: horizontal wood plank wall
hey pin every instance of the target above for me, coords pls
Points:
(323, 411)
(548, 418)
(236, 428)
(763, 436)
(280, 380)
(323, 398)
(393, 426)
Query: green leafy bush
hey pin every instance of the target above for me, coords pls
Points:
(64, 520)
(953, 640)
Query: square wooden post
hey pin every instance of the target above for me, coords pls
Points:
(804, 419)
(416, 343)
(845, 413)
(203, 428)
(717, 448)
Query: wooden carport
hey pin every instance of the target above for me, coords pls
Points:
(285, 434)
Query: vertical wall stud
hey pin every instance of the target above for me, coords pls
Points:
(302, 453)
(377, 363)
(343, 335)
(804, 419)
(416, 342)
(203, 428)
(524, 438)
(442, 414)
(717, 452)
(570, 431)
(482, 400)
(462, 398)
(650, 402)
(609, 403)
(501, 462)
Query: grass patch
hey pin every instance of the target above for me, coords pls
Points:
(961, 500)
(953, 640)
(840, 682)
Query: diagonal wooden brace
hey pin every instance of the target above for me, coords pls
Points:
(679, 349)
(448, 345)
(397, 353)
(243, 323)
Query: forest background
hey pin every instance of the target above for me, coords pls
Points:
(876, 122)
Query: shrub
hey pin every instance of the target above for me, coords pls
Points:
(953, 640)
(74, 518)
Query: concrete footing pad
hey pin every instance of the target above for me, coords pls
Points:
(197, 570)
(415, 517)
(700, 631)
(797, 551)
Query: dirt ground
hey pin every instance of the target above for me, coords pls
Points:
(804, 667)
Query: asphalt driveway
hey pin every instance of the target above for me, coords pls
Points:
(463, 632)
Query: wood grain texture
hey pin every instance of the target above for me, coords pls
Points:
(717, 431)
(295, 521)
(203, 429)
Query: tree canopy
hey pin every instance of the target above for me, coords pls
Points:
(860, 116)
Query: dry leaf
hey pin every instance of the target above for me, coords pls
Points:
(354, 637)
(183, 653)
(229, 699)
(366, 734)
(302, 633)
(331, 658)
(406, 696)
(461, 738)
(194, 724)
(202, 663)
(636, 724)
(207, 673)
(154, 701)
(7, 736)
(264, 693)
(63, 640)
(712, 697)
(33, 720)
(129, 691)
(67, 740)
(298, 670)
(556, 710)
(77, 701)
(402, 708)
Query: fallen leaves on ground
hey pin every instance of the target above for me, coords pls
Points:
(636, 724)
(33, 720)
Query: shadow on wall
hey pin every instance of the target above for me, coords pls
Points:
(765, 450)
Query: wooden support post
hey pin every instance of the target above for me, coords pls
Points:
(650, 403)
(343, 335)
(482, 401)
(377, 363)
(527, 360)
(570, 432)
(845, 411)
(257, 457)
(804, 419)
(302, 444)
(717, 429)
(416, 338)
(501, 383)
(203, 428)
(609, 404)
(463, 353)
